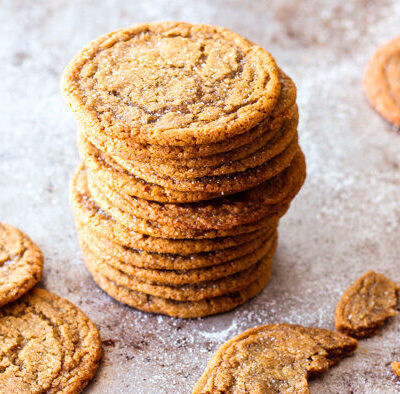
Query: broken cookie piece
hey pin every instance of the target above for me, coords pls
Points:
(21, 263)
(396, 368)
(366, 305)
(273, 358)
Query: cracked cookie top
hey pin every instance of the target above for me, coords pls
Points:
(366, 305)
(47, 345)
(171, 84)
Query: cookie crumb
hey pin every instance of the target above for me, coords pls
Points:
(396, 367)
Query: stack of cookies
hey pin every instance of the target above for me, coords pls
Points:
(190, 156)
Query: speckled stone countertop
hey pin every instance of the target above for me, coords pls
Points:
(344, 222)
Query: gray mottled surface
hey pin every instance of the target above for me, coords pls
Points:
(345, 220)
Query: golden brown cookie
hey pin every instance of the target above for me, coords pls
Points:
(396, 368)
(182, 309)
(146, 183)
(266, 152)
(89, 216)
(224, 212)
(184, 292)
(171, 83)
(222, 158)
(382, 81)
(107, 171)
(366, 305)
(231, 183)
(21, 263)
(156, 229)
(131, 150)
(163, 261)
(189, 276)
(275, 358)
(47, 345)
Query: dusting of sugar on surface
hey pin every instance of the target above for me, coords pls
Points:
(345, 220)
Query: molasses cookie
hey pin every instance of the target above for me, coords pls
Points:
(208, 154)
(171, 83)
(156, 229)
(21, 263)
(183, 292)
(167, 261)
(105, 170)
(190, 276)
(182, 309)
(382, 81)
(224, 212)
(276, 358)
(366, 305)
(48, 345)
(218, 185)
(89, 215)
(266, 152)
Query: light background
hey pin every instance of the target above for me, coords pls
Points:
(344, 221)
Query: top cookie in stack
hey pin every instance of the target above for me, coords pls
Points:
(188, 135)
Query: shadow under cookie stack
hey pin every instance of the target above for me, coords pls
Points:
(190, 156)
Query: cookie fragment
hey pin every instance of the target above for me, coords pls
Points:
(47, 345)
(366, 305)
(273, 358)
(382, 81)
(21, 263)
(396, 367)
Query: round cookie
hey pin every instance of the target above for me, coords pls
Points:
(266, 152)
(48, 345)
(131, 150)
(81, 196)
(162, 261)
(275, 358)
(182, 309)
(171, 83)
(225, 157)
(382, 81)
(207, 187)
(231, 183)
(190, 276)
(89, 215)
(156, 229)
(107, 171)
(224, 212)
(199, 155)
(21, 263)
(184, 292)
